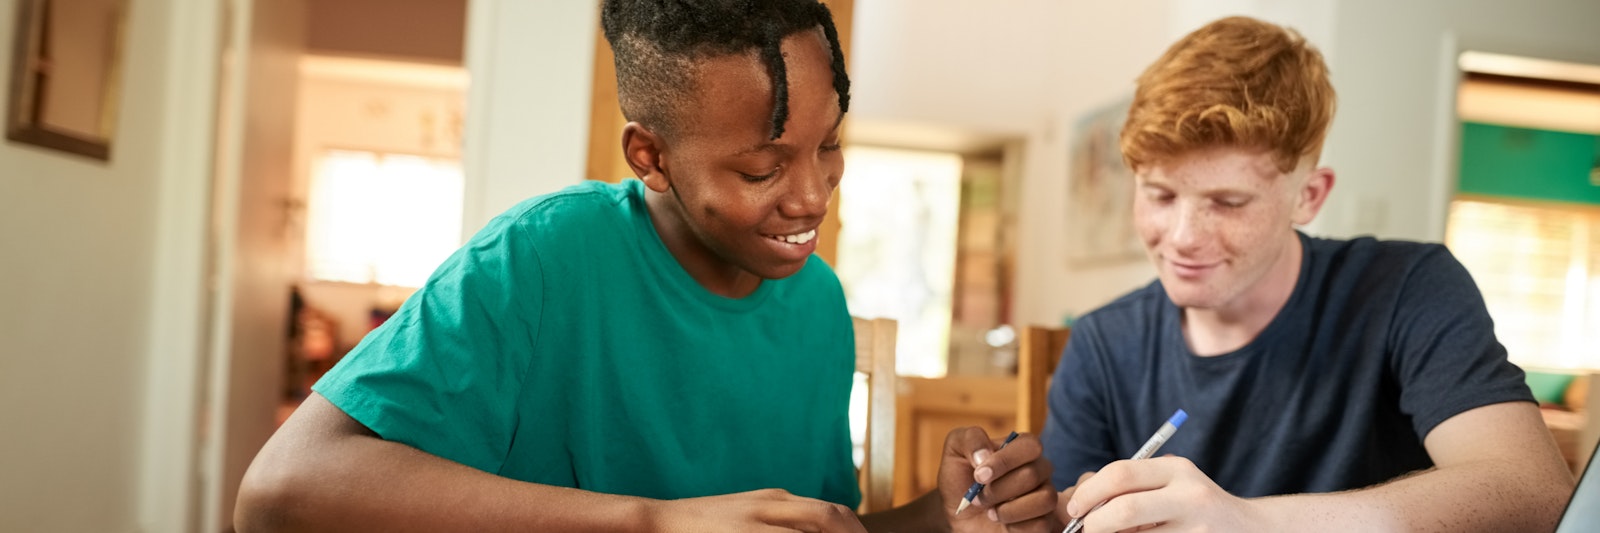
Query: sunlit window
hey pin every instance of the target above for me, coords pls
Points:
(897, 247)
(1539, 269)
(382, 218)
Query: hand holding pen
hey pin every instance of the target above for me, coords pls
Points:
(1145, 452)
(1012, 482)
(977, 486)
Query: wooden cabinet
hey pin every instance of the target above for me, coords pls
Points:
(926, 411)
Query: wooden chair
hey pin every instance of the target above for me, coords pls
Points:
(875, 359)
(929, 408)
(1040, 351)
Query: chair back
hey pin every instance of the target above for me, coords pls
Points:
(1041, 349)
(875, 360)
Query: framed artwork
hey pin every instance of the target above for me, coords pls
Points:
(65, 72)
(1100, 192)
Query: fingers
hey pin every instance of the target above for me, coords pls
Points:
(964, 442)
(1037, 525)
(1124, 477)
(1066, 497)
(1013, 482)
(1017, 481)
(991, 466)
(1035, 505)
(1132, 512)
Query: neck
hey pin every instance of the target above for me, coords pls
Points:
(1229, 328)
(701, 262)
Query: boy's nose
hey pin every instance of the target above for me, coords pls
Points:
(808, 194)
(1189, 229)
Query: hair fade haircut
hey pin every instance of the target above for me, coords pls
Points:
(1236, 82)
(658, 44)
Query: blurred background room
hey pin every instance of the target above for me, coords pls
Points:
(205, 203)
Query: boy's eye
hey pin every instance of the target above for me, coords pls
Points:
(1232, 202)
(832, 147)
(755, 178)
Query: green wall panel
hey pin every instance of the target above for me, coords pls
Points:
(1528, 163)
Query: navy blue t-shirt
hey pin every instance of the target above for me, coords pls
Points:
(1380, 342)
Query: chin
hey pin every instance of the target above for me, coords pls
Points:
(779, 271)
(1188, 296)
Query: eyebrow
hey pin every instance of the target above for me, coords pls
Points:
(768, 145)
(1211, 192)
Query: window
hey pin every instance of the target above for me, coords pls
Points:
(897, 247)
(381, 218)
(1538, 266)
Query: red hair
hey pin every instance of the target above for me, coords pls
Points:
(1236, 82)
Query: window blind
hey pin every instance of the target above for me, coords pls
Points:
(1538, 266)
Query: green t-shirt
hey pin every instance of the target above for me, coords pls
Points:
(564, 345)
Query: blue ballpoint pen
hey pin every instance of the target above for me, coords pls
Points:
(1149, 449)
(978, 487)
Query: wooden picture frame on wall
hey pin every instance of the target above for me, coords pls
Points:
(65, 75)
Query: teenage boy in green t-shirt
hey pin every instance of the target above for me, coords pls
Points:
(646, 356)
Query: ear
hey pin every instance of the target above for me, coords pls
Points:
(642, 149)
(1312, 194)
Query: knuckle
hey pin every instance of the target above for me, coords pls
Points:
(1115, 474)
(1118, 514)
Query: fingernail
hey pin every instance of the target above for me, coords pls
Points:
(993, 515)
(980, 456)
(983, 474)
(1072, 509)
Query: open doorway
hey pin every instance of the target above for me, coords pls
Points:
(338, 136)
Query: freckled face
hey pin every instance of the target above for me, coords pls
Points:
(1217, 222)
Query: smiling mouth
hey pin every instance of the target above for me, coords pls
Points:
(798, 238)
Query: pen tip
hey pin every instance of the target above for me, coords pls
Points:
(962, 506)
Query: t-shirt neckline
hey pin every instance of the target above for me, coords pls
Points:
(656, 252)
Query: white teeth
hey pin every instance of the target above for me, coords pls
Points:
(800, 238)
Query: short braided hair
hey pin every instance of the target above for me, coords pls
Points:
(657, 44)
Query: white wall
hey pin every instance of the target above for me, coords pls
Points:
(255, 149)
(77, 250)
(1393, 142)
(1314, 19)
(980, 66)
(527, 134)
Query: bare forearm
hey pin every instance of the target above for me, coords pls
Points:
(1495, 495)
(374, 485)
(922, 514)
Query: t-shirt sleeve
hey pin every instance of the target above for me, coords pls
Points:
(1445, 354)
(443, 374)
(1077, 434)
